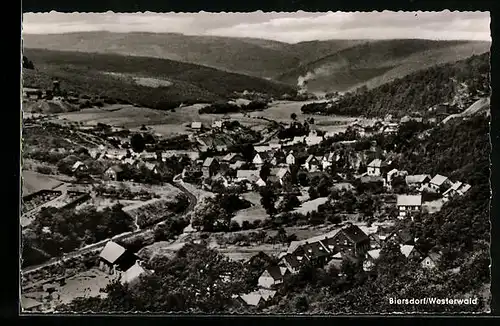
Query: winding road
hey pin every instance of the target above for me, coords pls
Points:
(99, 245)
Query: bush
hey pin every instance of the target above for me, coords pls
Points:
(234, 226)
(44, 169)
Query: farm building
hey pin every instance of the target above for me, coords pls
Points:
(196, 125)
(131, 275)
(114, 258)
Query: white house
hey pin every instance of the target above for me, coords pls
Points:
(79, 166)
(196, 125)
(113, 172)
(418, 180)
(290, 158)
(408, 205)
(440, 182)
(374, 168)
(312, 164)
(260, 158)
(271, 276)
(458, 188)
(217, 124)
(431, 261)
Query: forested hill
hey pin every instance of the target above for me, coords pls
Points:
(456, 83)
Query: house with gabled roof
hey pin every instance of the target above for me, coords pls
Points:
(291, 262)
(272, 275)
(290, 158)
(432, 260)
(210, 167)
(114, 173)
(316, 252)
(114, 258)
(78, 166)
(260, 158)
(232, 158)
(374, 168)
(281, 175)
(131, 276)
(440, 183)
(371, 257)
(353, 239)
(312, 163)
(417, 181)
(457, 189)
(408, 205)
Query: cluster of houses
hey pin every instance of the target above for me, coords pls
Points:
(329, 251)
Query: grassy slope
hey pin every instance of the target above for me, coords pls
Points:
(85, 73)
(378, 62)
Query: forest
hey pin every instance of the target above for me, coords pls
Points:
(417, 92)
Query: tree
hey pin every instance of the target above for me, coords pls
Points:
(265, 171)
(293, 116)
(28, 64)
(289, 202)
(137, 142)
(268, 200)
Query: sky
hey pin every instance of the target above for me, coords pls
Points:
(286, 27)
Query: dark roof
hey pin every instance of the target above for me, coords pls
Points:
(315, 250)
(292, 260)
(354, 233)
(274, 271)
(327, 242)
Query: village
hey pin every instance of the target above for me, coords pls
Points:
(289, 175)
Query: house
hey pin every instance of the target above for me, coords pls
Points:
(370, 259)
(248, 175)
(232, 158)
(272, 275)
(316, 252)
(131, 275)
(260, 183)
(352, 238)
(262, 149)
(290, 158)
(217, 124)
(390, 176)
(209, 167)
(257, 298)
(409, 251)
(457, 189)
(431, 261)
(221, 178)
(282, 175)
(329, 159)
(312, 164)
(313, 138)
(417, 181)
(440, 183)
(408, 205)
(79, 166)
(374, 169)
(196, 125)
(390, 128)
(115, 258)
(260, 158)
(236, 165)
(291, 262)
(114, 172)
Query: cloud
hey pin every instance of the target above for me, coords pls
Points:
(287, 27)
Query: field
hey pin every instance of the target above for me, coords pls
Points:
(310, 206)
(33, 182)
(254, 213)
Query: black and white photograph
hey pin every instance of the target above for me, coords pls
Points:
(318, 163)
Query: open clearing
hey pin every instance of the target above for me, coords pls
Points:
(251, 214)
(33, 182)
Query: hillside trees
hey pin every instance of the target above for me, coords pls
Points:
(416, 92)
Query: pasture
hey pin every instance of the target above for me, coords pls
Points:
(33, 182)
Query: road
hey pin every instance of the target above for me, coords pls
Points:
(99, 245)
